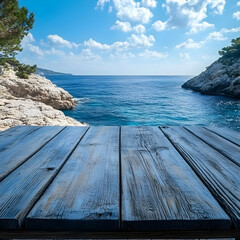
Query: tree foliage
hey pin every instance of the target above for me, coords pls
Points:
(231, 51)
(15, 23)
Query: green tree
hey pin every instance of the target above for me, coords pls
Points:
(15, 23)
(231, 51)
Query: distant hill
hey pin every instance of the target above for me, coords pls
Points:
(46, 72)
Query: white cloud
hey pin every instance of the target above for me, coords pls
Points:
(139, 28)
(149, 3)
(54, 51)
(191, 13)
(87, 54)
(96, 45)
(184, 55)
(189, 44)
(236, 15)
(123, 26)
(182, 13)
(135, 40)
(101, 3)
(28, 39)
(159, 25)
(224, 30)
(219, 36)
(216, 36)
(27, 44)
(199, 27)
(126, 27)
(122, 56)
(141, 40)
(153, 54)
(130, 10)
(35, 49)
(58, 41)
(43, 43)
(238, 3)
(217, 5)
(120, 46)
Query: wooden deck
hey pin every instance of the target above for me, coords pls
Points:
(119, 182)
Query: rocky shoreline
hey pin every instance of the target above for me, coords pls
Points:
(220, 78)
(33, 101)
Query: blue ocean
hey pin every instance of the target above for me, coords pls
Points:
(145, 100)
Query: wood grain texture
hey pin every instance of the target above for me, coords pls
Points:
(159, 189)
(85, 194)
(9, 137)
(20, 190)
(219, 174)
(222, 145)
(231, 135)
(21, 144)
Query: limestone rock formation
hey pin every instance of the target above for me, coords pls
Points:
(33, 101)
(14, 112)
(220, 78)
(36, 88)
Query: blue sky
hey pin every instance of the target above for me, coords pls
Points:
(142, 37)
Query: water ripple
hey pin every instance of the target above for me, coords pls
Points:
(145, 100)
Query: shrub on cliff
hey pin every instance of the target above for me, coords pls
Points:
(22, 70)
(231, 51)
(15, 24)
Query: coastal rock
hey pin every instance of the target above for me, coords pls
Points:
(36, 88)
(33, 101)
(14, 112)
(220, 78)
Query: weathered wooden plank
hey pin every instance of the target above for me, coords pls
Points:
(20, 190)
(85, 194)
(159, 189)
(225, 147)
(15, 131)
(229, 134)
(220, 174)
(16, 151)
(11, 135)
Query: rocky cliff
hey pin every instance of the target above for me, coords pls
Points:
(220, 78)
(32, 101)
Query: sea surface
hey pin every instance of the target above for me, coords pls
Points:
(145, 100)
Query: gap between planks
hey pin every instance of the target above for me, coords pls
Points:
(120, 171)
(221, 180)
(85, 194)
(11, 166)
(43, 167)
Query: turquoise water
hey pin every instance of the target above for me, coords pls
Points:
(145, 100)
